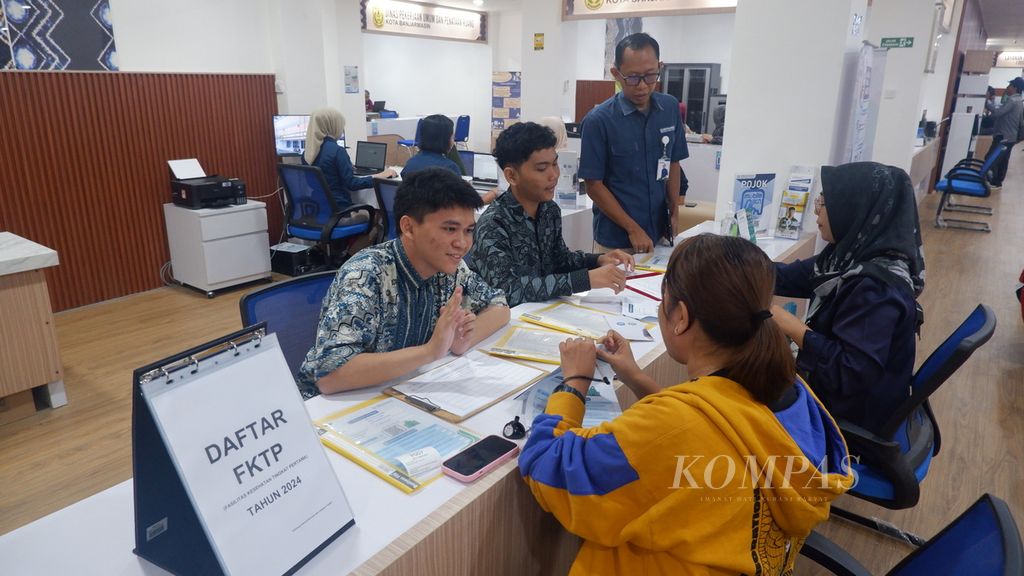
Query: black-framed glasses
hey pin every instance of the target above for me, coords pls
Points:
(647, 78)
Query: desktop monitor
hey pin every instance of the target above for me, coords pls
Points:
(378, 105)
(290, 134)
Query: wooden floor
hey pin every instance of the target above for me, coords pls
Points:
(57, 457)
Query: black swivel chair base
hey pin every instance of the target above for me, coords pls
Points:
(878, 525)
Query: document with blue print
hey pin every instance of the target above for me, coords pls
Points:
(602, 403)
(394, 440)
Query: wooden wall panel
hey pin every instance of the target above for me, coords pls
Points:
(83, 165)
(590, 93)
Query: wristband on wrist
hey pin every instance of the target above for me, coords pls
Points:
(566, 388)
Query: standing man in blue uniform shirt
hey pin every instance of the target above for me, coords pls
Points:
(632, 145)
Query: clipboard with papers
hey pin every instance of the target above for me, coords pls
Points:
(656, 261)
(394, 441)
(533, 344)
(571, 319)
(466, 385)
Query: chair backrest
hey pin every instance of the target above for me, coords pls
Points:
(942, 363)
(462, 129)
(305, 188)
(388, 114)
(467, 161)
(993, 155)
(417, 137)
(386, 191)
(291, 310)
(983, 541)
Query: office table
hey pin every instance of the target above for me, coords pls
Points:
(29, 357)
(493, 526)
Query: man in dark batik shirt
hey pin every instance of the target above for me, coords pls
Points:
(518, 245)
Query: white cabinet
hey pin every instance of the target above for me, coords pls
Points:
(214, 248)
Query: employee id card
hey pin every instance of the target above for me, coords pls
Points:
(664, 163)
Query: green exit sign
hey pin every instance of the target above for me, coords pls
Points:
(902, 42)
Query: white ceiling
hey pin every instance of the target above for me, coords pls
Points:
(1004, 23)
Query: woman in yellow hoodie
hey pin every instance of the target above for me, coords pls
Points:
(724, 474)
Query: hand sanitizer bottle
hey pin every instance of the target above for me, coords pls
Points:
(729, 226)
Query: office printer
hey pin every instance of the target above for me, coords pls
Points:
(192, 188)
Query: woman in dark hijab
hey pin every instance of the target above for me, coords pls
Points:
(858, 344)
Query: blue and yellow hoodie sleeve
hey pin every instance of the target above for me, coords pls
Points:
(584, 476)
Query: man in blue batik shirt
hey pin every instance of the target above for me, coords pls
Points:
(632, 145)
(409, 301)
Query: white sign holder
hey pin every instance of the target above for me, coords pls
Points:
(229, 474)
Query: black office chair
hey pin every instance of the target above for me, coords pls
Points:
(983, 541)
(891, 464)
(313, 214)
(291, 310)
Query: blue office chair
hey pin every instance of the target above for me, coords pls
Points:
(313, 213)
(983, 541)
(467, 161)
(968, 178)
(893, 462)
(388, 114)
(410, 144)
(386, 191)
(462, 131)
(291, 310)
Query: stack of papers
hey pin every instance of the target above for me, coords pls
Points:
(466, 385)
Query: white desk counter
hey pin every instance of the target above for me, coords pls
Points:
(404, 126)
(29, 357)
(493, 526)
(701, 171)
(435, 531)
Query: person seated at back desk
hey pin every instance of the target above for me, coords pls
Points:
(519, 246)
(396, 306)
(436, 139)
(326, 125)
(437, 148)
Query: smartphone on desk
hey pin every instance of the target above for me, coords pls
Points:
(480, 458)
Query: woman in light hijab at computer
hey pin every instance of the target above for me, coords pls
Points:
(326, 126)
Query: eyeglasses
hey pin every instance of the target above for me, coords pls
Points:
(819, 202)
(647, 78)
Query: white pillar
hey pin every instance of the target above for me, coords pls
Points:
(549, 75)
(903, 89)
(348, 51)
(784, 88)
(313, 40)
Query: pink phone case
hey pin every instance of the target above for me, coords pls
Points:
(497, 462)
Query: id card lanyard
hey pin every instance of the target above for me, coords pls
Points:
(663, 163)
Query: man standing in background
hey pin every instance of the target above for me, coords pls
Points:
(632, 145)
(1007, 125)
